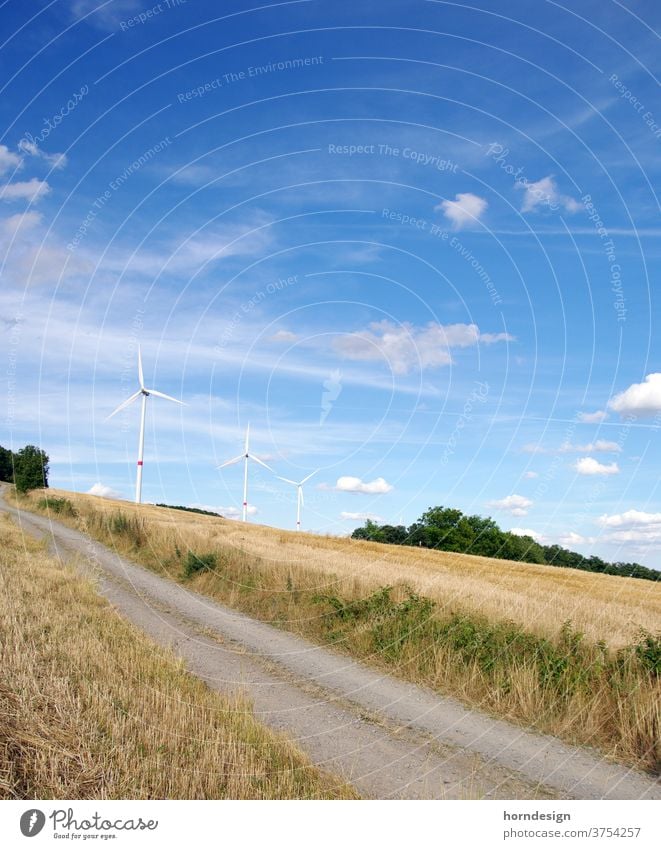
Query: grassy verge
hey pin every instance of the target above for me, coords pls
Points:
(90, 708)
(557, 680)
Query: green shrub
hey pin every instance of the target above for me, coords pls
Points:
(195, 563)
(61, 506)
(648, 652)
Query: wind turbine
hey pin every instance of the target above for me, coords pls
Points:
(141, 444)
(245, 457)
(300, 501)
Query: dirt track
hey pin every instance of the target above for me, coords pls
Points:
(390, 739)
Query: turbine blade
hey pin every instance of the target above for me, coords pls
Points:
(125, 403)
(167, 397)
(141, 376)
(247, 436)
(302, 497)
(286, 480)
(309, 476)
(261, 462)
(230, 462)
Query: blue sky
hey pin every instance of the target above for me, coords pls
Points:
(414, 244)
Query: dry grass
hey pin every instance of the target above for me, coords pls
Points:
(539, 598)
(90, 708)
(494, 638)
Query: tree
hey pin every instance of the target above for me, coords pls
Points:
(6, 465)
(30, 469)
(371, 531)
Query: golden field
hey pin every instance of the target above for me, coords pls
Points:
(539, 598)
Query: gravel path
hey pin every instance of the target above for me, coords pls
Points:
(388, 738)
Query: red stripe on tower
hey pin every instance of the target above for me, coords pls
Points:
(139, 462)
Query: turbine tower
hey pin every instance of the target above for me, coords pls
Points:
(300, 501)
(145, 393)
(245, 457)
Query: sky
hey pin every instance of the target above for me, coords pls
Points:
(415, 245)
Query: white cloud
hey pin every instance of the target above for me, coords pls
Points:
(406, 346)
(633, 526)
(629, 519)
(229, 512)
(530, 475)
(517, 505)
(592, 418)
(590, 466)
(359, 517)
(284, 336)
(528, 532)
(31, 190)
(8, 159)
(464, 210)
(642, 399)
(545, 193)
(379, 486)
(572, 538)
(103, 491)
(55, 160)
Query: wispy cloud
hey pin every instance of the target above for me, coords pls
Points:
(604, 446)
(592, 418)
(55, 160)
(359, 517)
(8, 159)
(404, 347)
(544, 193)
(103, 14)
(30, 190)
(283, 336)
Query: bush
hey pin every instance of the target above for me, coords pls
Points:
(61, 506)
(648, 652)
(195, 563)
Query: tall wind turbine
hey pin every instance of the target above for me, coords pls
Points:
(245, 457)
(300, 501)
(145, 393)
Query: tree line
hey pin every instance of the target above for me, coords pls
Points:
(448, 529)
(26, 468)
